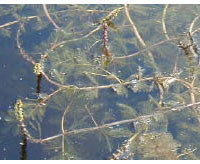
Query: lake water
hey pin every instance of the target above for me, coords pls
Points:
(99, 82)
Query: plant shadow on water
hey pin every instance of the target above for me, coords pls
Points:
(101, 81)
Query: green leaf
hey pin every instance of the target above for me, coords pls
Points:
(127, 111)
(119, 132)
(120, 90)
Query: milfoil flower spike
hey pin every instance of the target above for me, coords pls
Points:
(37, 68)
(19, 111)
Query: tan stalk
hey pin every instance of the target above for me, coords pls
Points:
(163, 22)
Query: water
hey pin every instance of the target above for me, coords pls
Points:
(16, 81)
(120, 104)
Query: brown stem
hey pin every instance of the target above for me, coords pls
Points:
(163, 22)
(84, 130)
(192, 24)
(139, 36)
(45, 100)
(90, 114)
(49, 17)
(28, 18)
(146, 48)
(17, 21)
(22, 52)
(63, 127)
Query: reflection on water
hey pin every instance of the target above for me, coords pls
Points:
(99, 82)
(24, 148)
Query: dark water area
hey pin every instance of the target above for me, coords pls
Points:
(99, 82)
(17, 80)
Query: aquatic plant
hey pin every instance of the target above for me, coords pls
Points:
(124, 77)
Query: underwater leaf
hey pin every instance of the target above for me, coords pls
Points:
(157, 123)
(93, 94)
(153, 100)
(92, 78)
(127, 111)
(158, 146)
(6, 32)
(119, 132)
(120, 90)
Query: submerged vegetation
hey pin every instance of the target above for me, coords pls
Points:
(123, 80)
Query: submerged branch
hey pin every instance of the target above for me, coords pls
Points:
(63, 127)
(45, 100)
(28, 19)
(134, 27)
(163, 22)
(139, 36)
(192, 24)
(22, 52)
(17, 21)
(75, 39)
(91, 116)
(49, 17)
(146, 48)
(117, 122)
